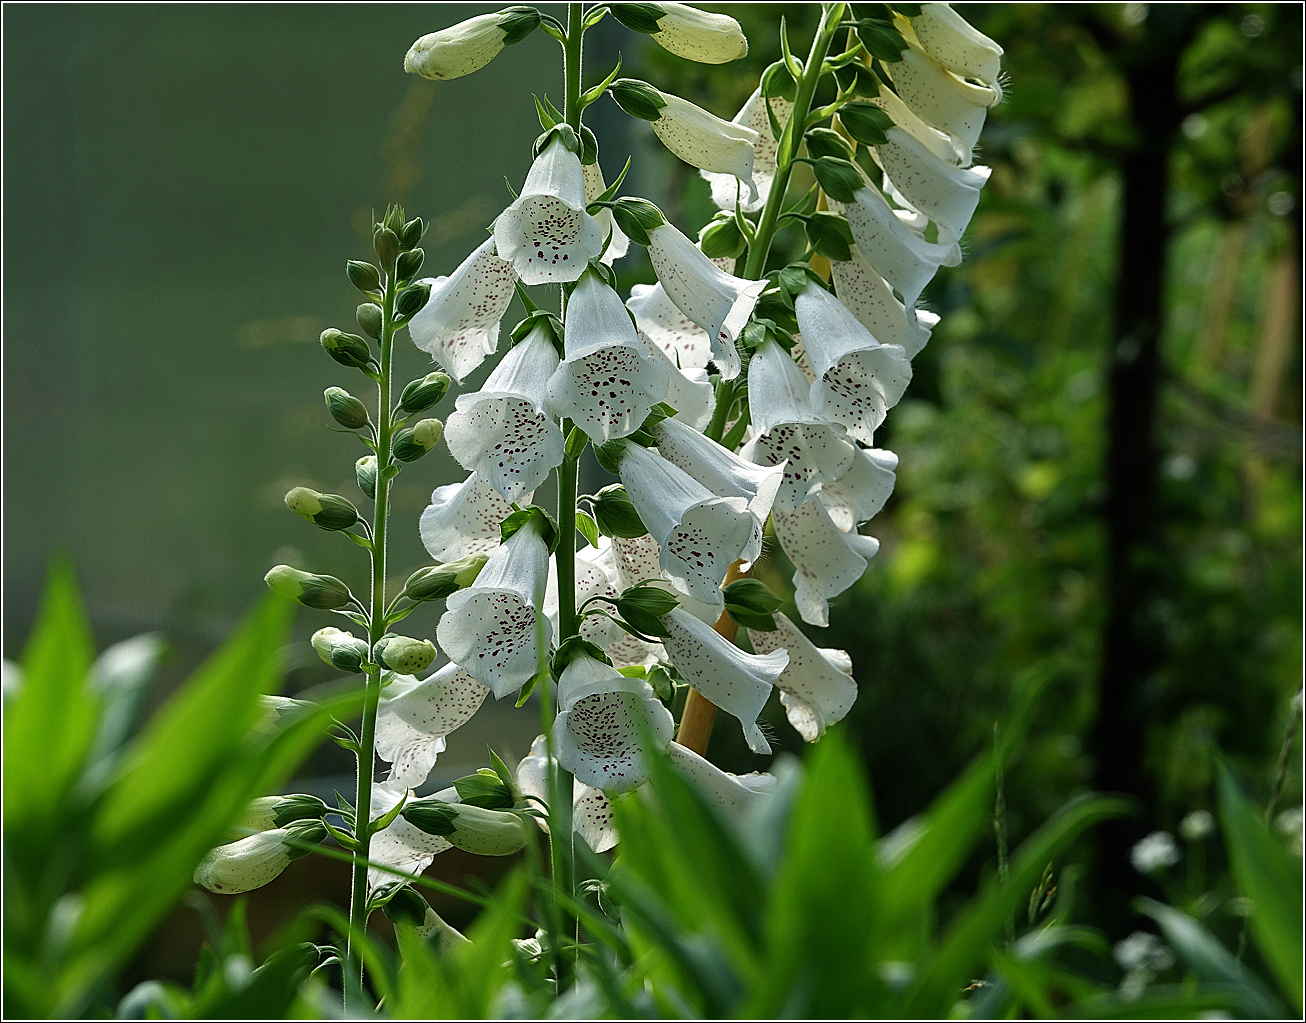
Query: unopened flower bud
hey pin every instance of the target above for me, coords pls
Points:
(347, 349)
(254, 861)
(324, 592)
(369, 317)
(409, 263)
(721, 237)
(340, 649)
(470, 45)
(420, 395)
(411, 443)
(329, 511)
(413, 298)
(345, 409)
(470, 828)
(365, 472)
(363, 276)
(270, 812)
(439, 581)
(405, 655)
(386, 244)
(412, 233)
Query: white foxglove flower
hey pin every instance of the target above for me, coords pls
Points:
(415, 716)
(493, 629)
(722, 472)
(725, 187)
(857, 379)
(869, 297)
(608, 725)
(733, 793)
(944, 192)
(948, 149)
(940, 98)
(896, 252)
(952, 41)
(697, 35)
(591, 812)
(400, 845)
(463, 518)
(860, 493)
(639, 560)
(826, 560)
(701, 139)
(546, 234)
(486, 832)
(609, 381)
(710, 297)
(618, 243)
(689, 391)
(459, 325)
(699, 534)
(470, 45)
(252, 862)
(787, 429)
(737, 682)
(816, 688)
(503, 431)
(671, 331)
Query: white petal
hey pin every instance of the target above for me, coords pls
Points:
(401, 845)
(942, 100)
(697, 35)
(826, 560)
(675, 334)
(733, 793)
(860, 493)
(945, 193)
(595, 576)
(414, 717)
(640, 560)
(463, 518)
(618, 244)
(814, 688)
(948, 149)
(869, 297)
(722, 472)
(246, 864)
(726, 187)
(591, 812)
(705, 141)
(456, 51)
(947, 37)
(737, 682)
(713, 299)
(896, 253)
(689, 391)
(459, 325)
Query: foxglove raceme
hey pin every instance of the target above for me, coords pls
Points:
(816, 688)
(459, 325)
(415, 716)
(503, 432)
(826, 560)
(463, 519)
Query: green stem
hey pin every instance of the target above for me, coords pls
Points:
(372, 678)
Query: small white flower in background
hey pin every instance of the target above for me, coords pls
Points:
(725, 187)
(698, 533)
(546, 234)
(252, 862)
(858, 495)
(735, 794)
(463, 518)
(618, 243)
(857, 379)
(788, 430)
(816, 687)
(459, 325)
(686, 31)
(869, 298)
(415, 716)
(670, 330)
(940, 98)
(609, 382)
(1196, 825)
(400, 845)
(719, 303)
(502, 431)
(1290, 825)
(606, 723)
(1143, 951)
(470, 45)
(689, 391)
(737, 682)
(591, 812)
(494, 629)
(956, 44)
(1154, 852)
(892, 249)
(826, 560)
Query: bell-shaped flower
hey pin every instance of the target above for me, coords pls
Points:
(696, 35)
(948, 149)
(252, 862)
(463, 519)
(503, 431)
(400, 845)
(869, 297)
(546, 234)
(639, 560)
(826, 560)
(940, 98)
(718, 302)
(415, 716)
(470, 45)
(609, 381)
(944, 192)
(816, 688)
(858, 495)
(956, 44)
(788, 431)
(689, 391)
(737, 682)
(701, 139)
(468, 827)
(857, 379)
(682, 340)
(699, 535)
(607, 725)
(722, 472)
(896, 252)
(725, 187)
(618, 243)
(459, 325)
(733, 793)
(591, 811)
(493, 629)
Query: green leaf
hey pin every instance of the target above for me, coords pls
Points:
(587, 528)
(1268, 875)
(830, 236)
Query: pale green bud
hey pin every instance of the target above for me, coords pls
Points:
(470, 45)
(365, 470)
(439, 581)
(345, 409)
(408, 263)
(411, 300)
(405, 655)
(340, 649)
(420, 395)
(363, 276)
(347, 349)
(324, 592)
(470, 828)
(329, 511)
(411, 443)
(370, 317)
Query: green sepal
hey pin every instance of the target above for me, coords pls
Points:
(501, 769)
(752, 604)
(642, 607)
(588, 97)
(547, 525)
(412, 299)
(615, 514)
(347, 349)
(420, 395)
(859, 80)
(305, 831)
(827, 142)
(635, 216)
(609, 455)
(563, 132)
(777, 81)
(644, 435)
(589, 147)
(571, 648)
(795, 277)
(298, 807)
(486, 790)
(639, 99)
(411, 236)
(611, 190)
(839, 179)
(345, 409)
(408, 263)
(830, 236)
(385, 242)
(516, 23)
(575, 446)
(639, 17)
(432, 816)
(529, 687)
(547, 120)
(662, 682)
(389, 817)
(363, 276)
(587, 528)
(866, 122)
(399, 902)
(881, 39)
(721, 237)
(540, 318)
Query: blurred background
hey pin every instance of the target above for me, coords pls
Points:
(1100, 478)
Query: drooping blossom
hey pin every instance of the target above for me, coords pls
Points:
(416, 715)
(868, 296)
(826, 560)
(816, 687)
(726, 187)
(463, 518)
